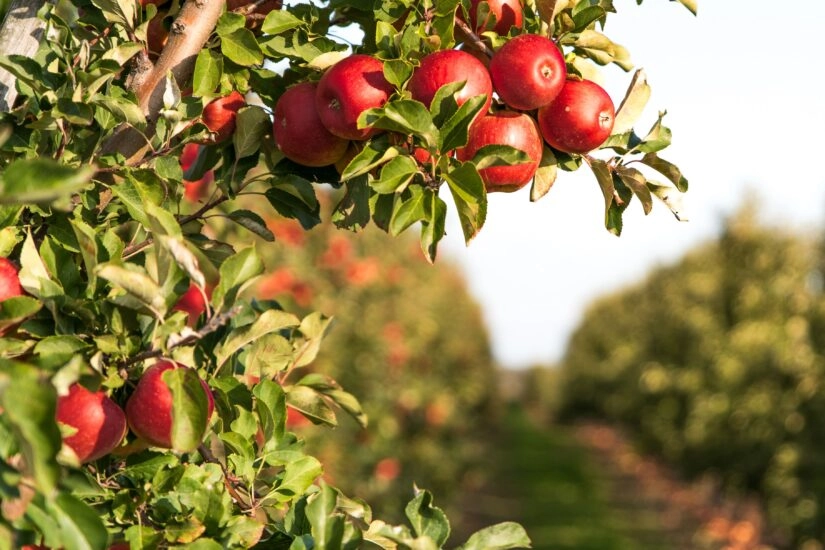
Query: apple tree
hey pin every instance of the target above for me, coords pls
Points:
(143, 389)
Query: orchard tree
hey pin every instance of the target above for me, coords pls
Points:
(144, 393)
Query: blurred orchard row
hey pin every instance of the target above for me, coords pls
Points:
(717, 364)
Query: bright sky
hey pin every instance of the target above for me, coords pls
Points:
(743, 87)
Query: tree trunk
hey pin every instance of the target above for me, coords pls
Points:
(20, 34)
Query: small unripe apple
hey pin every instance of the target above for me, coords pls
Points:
(99, 422)
(446, 67)
(219, 115)
(580, 119)
(9, 280)
(507, 13)
(149, 409)
(299, 132)
(517, 130)
(192, 303)
(346, 90)
(528, 72)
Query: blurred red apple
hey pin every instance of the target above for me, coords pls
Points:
(99, 421)
(192, 303)
(9, 280)
(194, 190)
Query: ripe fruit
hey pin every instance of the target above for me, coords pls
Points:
(192, 303)
(9, 280)
(149, 409)
(346, 90)
(448, 66)
(507, 13)
(528, 72)
(579, 119)
(194, 190)
(299, 132)
(99, 421)
(505, 128)
(219, 115)
(157, 35)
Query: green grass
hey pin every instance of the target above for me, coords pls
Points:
(547, 482)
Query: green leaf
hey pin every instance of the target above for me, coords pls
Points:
(545, 175)
(397, 71)
(298, 476)
(500, 536)
(432, 228)
(41, 180)
(251, 125)
(470, 197)
(29, 405)
(236, 272)
(270, 404)
(189, 408)
(278, 21)
(499, 155)
(271, 320)
(253, 222)
(208, 72)
(311, 404)
(395, 175)
(604, 177)
(667, 169)
(444, 104)
(353, 211)
(56, 351)
(428, 520)
(135, 281)
(602, 50)
(409, 208)
(294, 197)
(405, 116)
(17, 309)
(375, 153)
(241, 47)
(671, 197)
(637, 183)
(692, 5)
(327, 526)
(314, 326)
(583, 18)
(137, 191)
(81, 527)
(638, 93)
(454, 132)
(658, 138)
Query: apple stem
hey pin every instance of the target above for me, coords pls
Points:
(476, 39)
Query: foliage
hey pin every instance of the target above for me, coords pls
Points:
(95, 209)
(718, 365)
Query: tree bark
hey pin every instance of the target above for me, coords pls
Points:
(20, 34)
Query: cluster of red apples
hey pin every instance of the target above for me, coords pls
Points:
(316, 122)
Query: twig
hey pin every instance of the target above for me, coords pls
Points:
(474, 38)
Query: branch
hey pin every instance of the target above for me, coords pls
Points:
(189, 33)
(20, 34)
(473, 37)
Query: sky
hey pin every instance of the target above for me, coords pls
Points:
(743, 87)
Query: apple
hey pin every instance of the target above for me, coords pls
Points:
(346, 90)
(149, 409)
(299, 132)
(192, 303)
(219, 115)
(157, 35)
(528, 72)
(145, 3)
(194, 190)
(580, 119)
(448, 66)
(99, 421)
(507, 13)
(9, 280)
(505, 128)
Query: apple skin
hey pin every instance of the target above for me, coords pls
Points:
(191, 302)
(346, 90)
(580, 119)
(505, 128)
(299, 132)
(194, 190)
(9, 280)
(508, 13)
(528, 72)
(149, 409)
(448, 66)
(219, 115)
(157, 35)
(99, 421)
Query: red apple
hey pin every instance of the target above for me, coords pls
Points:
(157, 35)
(448, 66)
(194, 190)
(256, 11)
(149, 409)
(299, 132)
(528, 72)
(579, 119)
(9, 280)
(192, 303)
(505, 128)
(507, 13)
(346, 90)
(219, 115)
(99, 421)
